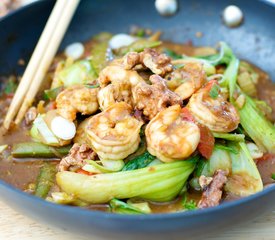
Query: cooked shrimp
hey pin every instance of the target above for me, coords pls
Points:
(186, 80)
(120, 85)
(114, 133)
(77, 99)
(170, 137)
(116, 74)
(214, 112)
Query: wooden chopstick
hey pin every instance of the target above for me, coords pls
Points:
(48, 56)
(33, 63)
(41, 59)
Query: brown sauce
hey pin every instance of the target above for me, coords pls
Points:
(21, 173)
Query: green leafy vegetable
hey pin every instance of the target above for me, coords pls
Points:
(80, 72)
(45, 180)
(172, 54)
(245, 178)
(94, 167)
(257, 126)
(92, 86)
(163, 183)
(273, 176)
(38, 150)
(230, 76)
(229, 136)
(138, 46)
(51, 94)
(64, 198)
(139, 162)
(99, 56)
(44, 131)
(220, 159)
(188, 204)
(226, 148)
(11, 85)
(118, 206)
(214, 91)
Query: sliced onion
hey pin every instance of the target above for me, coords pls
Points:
(74, 50)
(62, 128)
(121, 40)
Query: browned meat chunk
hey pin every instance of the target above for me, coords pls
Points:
(151, 99)
(30, 115)
(158, 63)
(212, 193)
(76, 157)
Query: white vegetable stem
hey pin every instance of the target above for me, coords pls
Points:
(74, 50)
(62, 128)
(121, 40)
(232, 16)
(44, 131)
(114, 165)
(166, 7)
(255, 152)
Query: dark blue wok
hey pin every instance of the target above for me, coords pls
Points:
(253, 41)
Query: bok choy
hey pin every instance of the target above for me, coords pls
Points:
(257, 126)
(245, 178)
(163, 183)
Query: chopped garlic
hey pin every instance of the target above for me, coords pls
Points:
(166, 7)
(74, 50)
(62, 128)
(232, 16)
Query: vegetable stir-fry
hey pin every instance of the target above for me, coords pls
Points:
(133, 125)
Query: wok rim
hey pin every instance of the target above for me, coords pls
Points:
(107, 215)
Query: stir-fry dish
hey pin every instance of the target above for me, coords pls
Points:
(131, 124)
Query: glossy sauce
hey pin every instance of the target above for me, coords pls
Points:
(21, 173)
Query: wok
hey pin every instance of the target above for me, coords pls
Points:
(253, 40)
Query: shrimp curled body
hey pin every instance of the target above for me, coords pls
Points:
(216, 113)
(114, 133)
(170, 137)
(77, 99)
(116, 85)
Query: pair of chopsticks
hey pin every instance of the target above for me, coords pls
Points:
(41, 59)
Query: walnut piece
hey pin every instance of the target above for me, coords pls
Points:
(158, 63)
(76, 157)
(151, 99)
(30, 115)
(212, 193)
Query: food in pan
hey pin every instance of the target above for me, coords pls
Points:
(130, 124)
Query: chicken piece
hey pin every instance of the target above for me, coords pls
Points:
(76, 99)
(170, 137)
(158, 63)
(76, 157)
(212, 193)
(114, 133)
(152, 99)
(213, 111)
(187, 80)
